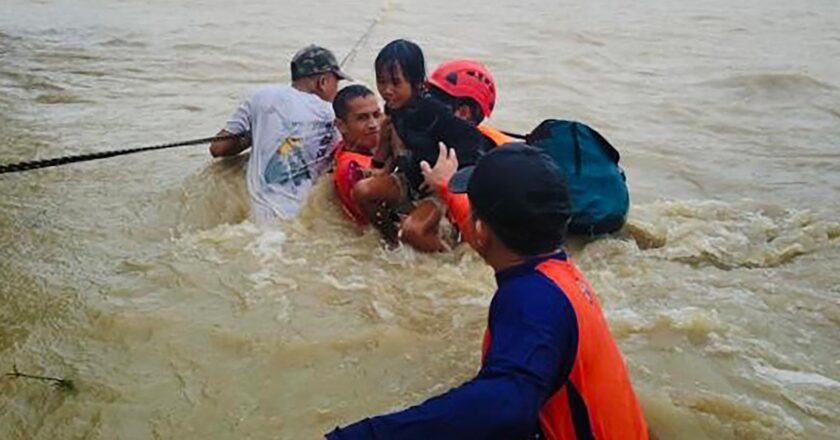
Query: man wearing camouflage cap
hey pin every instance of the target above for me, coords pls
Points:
(292, 130)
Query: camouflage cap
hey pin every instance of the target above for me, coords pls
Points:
(314, 59)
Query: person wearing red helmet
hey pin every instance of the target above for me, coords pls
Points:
(469, 89)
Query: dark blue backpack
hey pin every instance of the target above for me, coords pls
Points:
(597, 183)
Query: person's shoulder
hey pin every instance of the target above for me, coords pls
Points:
(533, 301)
(532, 292)
(427, 103)
(269, 94)
(444, 119)
(530, 282)
(310, 102)
(286, 98)
(422, 113)
(341, 151)
(277, 90)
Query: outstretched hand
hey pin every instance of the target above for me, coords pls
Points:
(445, 167)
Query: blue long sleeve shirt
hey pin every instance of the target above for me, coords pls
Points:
(534, 339)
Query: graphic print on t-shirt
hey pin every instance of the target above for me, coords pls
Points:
(293, 137)
(288, 164)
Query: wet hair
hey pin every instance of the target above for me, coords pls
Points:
(408, 57)
(347, 94)
(542, 237)
(455, 102)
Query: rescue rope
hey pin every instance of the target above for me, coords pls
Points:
(352, 53)
(46, 163)
(54, 162)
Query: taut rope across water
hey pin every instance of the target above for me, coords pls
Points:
(63, 160)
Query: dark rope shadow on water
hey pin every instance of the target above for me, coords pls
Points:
(65, 385)
(64, 160)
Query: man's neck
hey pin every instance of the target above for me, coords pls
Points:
(302, 86)
(354, 147)
(505, 259)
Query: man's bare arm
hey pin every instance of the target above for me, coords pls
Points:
(230, 147)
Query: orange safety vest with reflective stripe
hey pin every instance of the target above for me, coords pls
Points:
(347, 171)
(597, 400)
(458, 205)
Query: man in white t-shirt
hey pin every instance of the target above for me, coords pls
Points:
(292, 130)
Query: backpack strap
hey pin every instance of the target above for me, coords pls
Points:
(515, 135)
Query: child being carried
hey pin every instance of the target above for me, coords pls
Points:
(395, 198)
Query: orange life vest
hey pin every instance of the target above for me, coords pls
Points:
(347, 171)
(598, 382)
(494, 135)
(458, 205)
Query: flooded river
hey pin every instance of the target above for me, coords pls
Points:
(141, 279)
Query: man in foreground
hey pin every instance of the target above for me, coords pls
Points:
(293, 134)
(550, 367)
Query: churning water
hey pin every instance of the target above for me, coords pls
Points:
(140, 278)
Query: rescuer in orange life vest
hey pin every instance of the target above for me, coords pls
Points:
(359, 120)
(550, 367)
(468, 88)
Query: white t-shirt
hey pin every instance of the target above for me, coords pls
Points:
(293, 140)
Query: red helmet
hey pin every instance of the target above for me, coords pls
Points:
(467, 79)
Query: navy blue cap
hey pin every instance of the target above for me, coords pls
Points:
(516, 186)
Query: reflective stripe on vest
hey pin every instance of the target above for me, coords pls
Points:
(496, 136)
(598, 400)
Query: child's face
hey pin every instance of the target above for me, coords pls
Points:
(395, 89)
